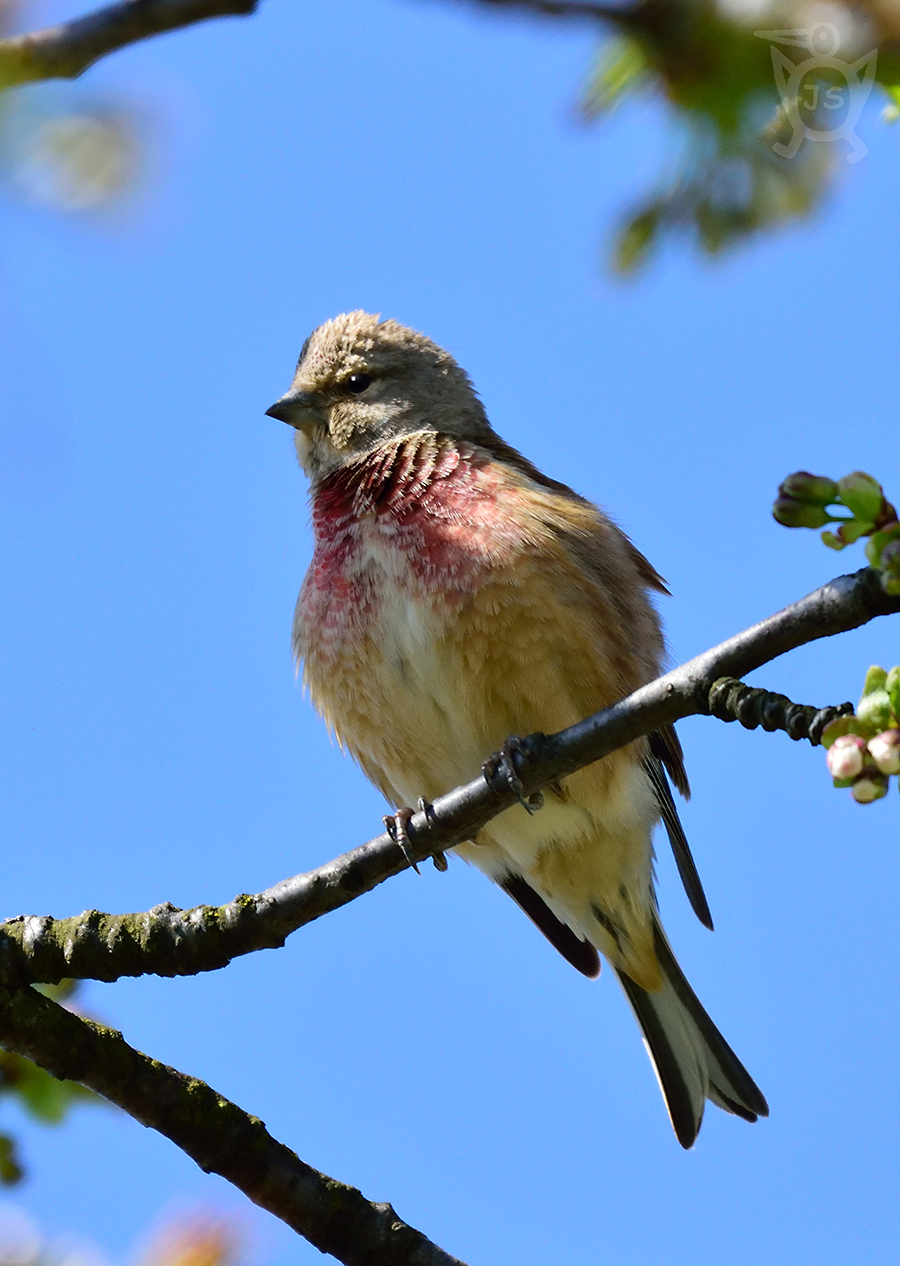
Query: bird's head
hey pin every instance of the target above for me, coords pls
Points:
(361, 382)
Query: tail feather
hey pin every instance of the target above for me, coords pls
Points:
(693, 1062)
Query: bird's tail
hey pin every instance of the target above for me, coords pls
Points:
(693, 1062)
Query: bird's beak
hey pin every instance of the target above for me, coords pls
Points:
(299, 409)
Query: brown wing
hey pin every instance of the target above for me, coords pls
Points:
(680, 848)
(665, 746)
(622, 575)
(581, 954)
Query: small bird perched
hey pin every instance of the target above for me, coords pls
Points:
(458, 596)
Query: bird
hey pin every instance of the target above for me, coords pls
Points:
(458, 596)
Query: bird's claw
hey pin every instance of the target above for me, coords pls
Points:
(426, 807)
(395, 824)
(500, 770)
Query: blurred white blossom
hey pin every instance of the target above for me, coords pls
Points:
(79, 161)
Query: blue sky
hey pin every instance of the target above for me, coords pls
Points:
(423, 160)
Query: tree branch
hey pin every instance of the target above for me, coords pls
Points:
(66, 51)
(167, 941)
(218, 1135)
(569, 9)
(733, 700)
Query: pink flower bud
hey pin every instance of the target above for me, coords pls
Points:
(870, 787)
(885, 751)
(846, 756)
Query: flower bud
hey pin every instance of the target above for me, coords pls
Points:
(875, 712)
(846, 757)
(793, 514)
(871, 786)
(815, 489)
(885, 751)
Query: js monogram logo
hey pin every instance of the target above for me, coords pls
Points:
(800, 85)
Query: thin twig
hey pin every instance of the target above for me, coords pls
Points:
(568, 9)
(733, 700)
(66, 51)
(218, 1135)
(167, 941)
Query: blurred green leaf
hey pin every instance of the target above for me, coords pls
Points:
(635, 241)
(841, 726)
(876, 679)
(42, 1096)
(892, 686)
(812, 489)
(621, 68)
(748, 103)
(874, 711)
(878, 540)
(11, 1172)
(862, 495)
(794, 514)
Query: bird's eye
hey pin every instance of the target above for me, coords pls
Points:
(357, 383)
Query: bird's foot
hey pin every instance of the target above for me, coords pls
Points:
(395, 824)
(500, 771)
(426, 807)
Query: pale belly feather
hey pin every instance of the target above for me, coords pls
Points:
(422, 689)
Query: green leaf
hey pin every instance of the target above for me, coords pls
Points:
(892, 686)
(11, 1172)
(829, 539)
(635, 241)
(802, 486)
(875, 712)
(878, 540)
(621, 67)
(40, 1094)
(861, 494)
(61, 991)
(795, 514)
(839, 727)
(876, 679)
(853, 529)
